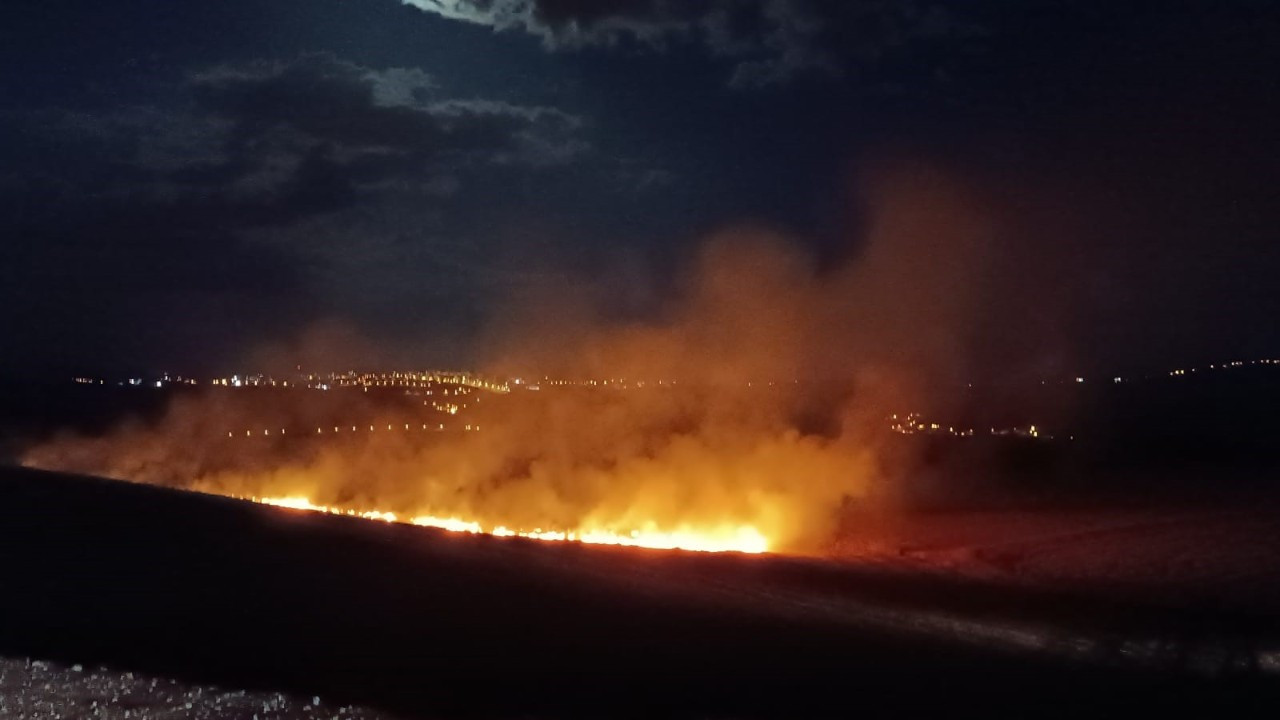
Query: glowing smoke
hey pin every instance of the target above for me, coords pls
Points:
(775, 380)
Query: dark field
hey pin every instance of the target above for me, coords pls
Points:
(428, 623)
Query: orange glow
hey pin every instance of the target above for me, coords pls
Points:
(743, 538)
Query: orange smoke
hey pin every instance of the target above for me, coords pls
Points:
(765, 388)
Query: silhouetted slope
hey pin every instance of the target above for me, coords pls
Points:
(428, 622)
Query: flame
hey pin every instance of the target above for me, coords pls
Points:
(743, 538)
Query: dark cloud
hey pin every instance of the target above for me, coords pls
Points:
(250, 197)
(366, 127)
(766, 41)
(312, 130)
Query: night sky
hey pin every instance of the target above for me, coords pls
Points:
(182, 183)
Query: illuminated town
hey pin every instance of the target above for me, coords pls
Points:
(450, 392)
(428, 379)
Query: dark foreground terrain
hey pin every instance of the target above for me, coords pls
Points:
(427, 623)
(40, 690)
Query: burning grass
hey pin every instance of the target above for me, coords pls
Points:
(744, 539)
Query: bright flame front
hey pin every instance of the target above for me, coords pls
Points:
(743, 538)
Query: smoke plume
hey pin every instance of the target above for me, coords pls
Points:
(756, 398)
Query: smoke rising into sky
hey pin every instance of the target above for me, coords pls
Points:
(768, 382)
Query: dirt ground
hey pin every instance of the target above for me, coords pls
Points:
(40, 690)
(1220, 553)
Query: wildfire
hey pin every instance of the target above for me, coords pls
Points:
(744, 538)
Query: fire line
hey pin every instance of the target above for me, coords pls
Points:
(743, 538)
